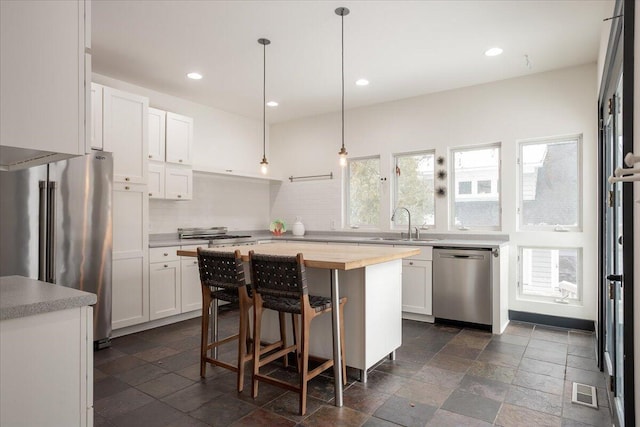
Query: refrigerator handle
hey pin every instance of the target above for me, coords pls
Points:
(42, 235)
(51, 250)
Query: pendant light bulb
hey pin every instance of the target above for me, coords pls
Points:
(264, 164)
(342, 12)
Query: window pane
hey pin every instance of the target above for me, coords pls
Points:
(550, 273)
(464, 187)
(484, 186)
(476, 169)
(414, 185)
(363, 207)
(549, 184)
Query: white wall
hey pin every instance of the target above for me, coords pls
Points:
(540, 105)
(221, 141)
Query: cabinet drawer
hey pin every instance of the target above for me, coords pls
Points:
(426, 252)
(164, 254)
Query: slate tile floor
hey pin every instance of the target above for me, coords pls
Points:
(442, 376)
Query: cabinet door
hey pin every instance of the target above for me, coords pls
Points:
(156, 134)
(96, 116)
(130, 291)
(164, 289)
(179, 139)
(156, 180)
(42, 79)
(178, 183)
(191, 288)
(125, 134)
(417, 287)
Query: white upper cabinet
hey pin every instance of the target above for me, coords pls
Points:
(125, 134)
(179, 139)
(178, 184)
(96, 116)
(157, 120)
(156, 180)
(43, 65)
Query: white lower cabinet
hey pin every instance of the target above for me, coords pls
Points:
(417, 282)
(164, 289)
(191, 288)
(130, 266)
(416, 286)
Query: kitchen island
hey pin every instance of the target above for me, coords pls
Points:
(371, 279)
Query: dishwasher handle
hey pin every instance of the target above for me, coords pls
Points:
(461, 256)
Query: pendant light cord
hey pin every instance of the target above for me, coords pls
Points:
(342, 65)
(264, 101)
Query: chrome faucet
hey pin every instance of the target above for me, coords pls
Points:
(393, 218)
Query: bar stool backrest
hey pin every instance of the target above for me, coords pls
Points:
(221, 269)
(278, 276)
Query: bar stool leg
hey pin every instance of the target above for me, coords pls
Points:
(206, 306)
(283, 337)
(214, 328)
(257, 321)
(242, 348)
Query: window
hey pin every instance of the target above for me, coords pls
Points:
(484, 186)
(476, 178)
(464, 187)
(550, 274)
(363, 192)
(414, 184)
(549, 184)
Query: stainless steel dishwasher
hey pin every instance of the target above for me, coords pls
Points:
(462, 284)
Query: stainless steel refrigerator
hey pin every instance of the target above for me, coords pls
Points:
(55, 226)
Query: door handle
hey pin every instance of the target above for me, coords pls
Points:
(51, 269)
(614, 277)
(42, 237)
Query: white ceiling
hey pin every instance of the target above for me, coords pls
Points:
(405, 48)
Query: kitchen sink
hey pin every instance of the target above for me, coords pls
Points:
(398, 239)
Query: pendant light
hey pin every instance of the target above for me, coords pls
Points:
(342, 12)
(264, 164)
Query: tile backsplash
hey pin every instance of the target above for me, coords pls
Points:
(316, 202)
(237, 203)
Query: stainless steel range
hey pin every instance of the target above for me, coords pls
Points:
(215, 235)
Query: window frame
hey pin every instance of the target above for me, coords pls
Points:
(347, 194)
(453, 187)
(520, 164)
(394, 192)
(521, 296)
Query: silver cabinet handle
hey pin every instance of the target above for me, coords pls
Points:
(179, 196)
(126, 187)
(180, 161)
(150, 156)
(166, 265)
(166, 254)
(127, 179)
(51, 268)
(195, 262)
(150, 194)
(410, 262)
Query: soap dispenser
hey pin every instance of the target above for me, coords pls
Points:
(298, 227)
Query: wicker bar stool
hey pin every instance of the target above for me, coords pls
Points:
(280, 284)
(222, 278)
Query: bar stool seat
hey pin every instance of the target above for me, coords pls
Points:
(222, 278)
(280, 284)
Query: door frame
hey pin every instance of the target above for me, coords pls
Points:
(619, 58)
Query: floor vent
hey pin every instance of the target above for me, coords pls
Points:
(584, 395)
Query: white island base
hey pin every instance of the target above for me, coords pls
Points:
(372, 315)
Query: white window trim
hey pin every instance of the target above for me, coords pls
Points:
(347, 196)
(520, 213)
(520, 296)
(452, 185)
(394, 192)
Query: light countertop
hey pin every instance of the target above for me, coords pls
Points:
(21, 297)
(433, 239)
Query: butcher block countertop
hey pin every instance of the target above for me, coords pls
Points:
(318, 255)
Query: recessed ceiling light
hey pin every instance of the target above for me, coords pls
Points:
(194, 76)
(272, 104)
(362, 82)
(494, 51)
